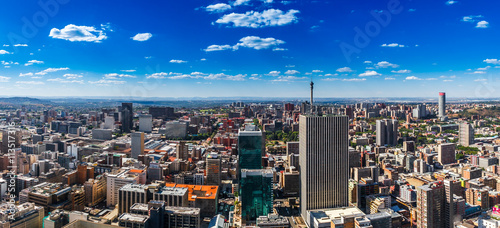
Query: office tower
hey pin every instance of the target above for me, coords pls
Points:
(409, 146)
(446, 153)
(137, 144)
(256, 193)
(182, 217)
(465, 134)
(430, 205)
(146, 123)
(324, 162)
(250, 148)
(420, 111)
(387, 132)
(213, 169)
(442, 105)
(127, 112)
(130, 194)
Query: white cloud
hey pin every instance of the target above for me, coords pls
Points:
(401, 71)
(412, 78)
(4, 79)
(484, 68)
(369, 73)
(344, 70)
(20, 45)
(392, 45)
(385, 64)
(292, 72)
(258, 43)
(389, 78)
(177, 61)
(451, 2)
(252, 19)
(280, 49)
(30, 82)
(72, 76)
(354, 79)
(241, 2)
(447, 80)
(254, 42)
(50, 70)
(26, 74)
(61, 80)
(104, 82)
(218, 48)
(483, 24)
(142, 36)
(367, 62)
(219, 7)
(31, 62)
(78, 33)
(492, 61)
(203, 59)
(128, 71)
(288, 78)
(317, 71)
(160, 75)
(471, 18)
(3, 52)
(116, 76)
(274, 73)
(481, 80)
(148, 57)
(479, 72)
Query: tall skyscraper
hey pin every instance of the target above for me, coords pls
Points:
(442, 106)
(323, 162)
(256, 193)
(431, 205)
(387, 132)
(465, 134)
(127, 115)
(250, 148)
(446, 153)
(137, 144)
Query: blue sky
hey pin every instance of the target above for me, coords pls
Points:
(262, 48)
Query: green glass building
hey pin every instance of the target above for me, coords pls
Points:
(250, 146)
(256, 193)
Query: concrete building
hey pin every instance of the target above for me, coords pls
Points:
(182, 217)
(431, 205)
(465, 134)
(137, 144)
(120, 178)
(175, 130)
(387, 132)
(446, 153)
(102, 134)
(131, 194)
(24, 215)
(324, 162)
(213, 169)
(95, 190)
(146, 123)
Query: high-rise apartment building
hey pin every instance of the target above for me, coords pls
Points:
(120, 178)
(387, 132)
(431, 205)
(137, 144)
(465, 134)
(323, 161)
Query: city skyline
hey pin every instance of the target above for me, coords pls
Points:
(250, 47)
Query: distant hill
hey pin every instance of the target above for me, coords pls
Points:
(22, 100)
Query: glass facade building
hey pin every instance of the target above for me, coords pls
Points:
(250, 144)
(256, 193)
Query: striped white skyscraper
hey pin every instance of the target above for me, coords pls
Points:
(323, 162)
